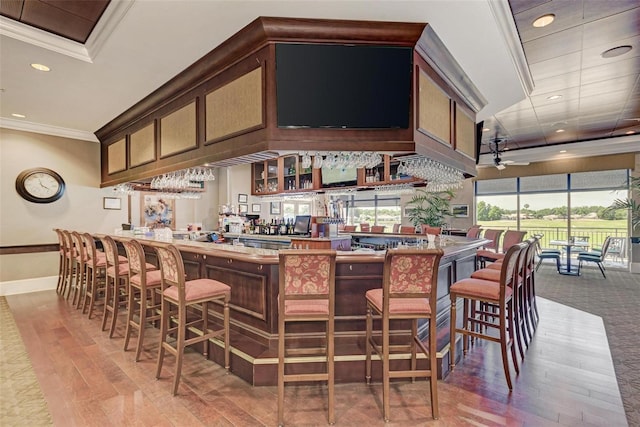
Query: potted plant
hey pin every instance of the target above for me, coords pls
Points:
(431, 208)
(634, 213)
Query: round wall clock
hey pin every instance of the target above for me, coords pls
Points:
(40, 185)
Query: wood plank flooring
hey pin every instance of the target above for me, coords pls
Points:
(567, 378)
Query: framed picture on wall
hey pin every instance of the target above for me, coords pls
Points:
(156, 211)
(243, 198)
(111, 203)
(244, 208)
(275, 208)
(460, 211)
(256, 208)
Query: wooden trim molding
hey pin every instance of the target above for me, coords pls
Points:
(29, 249)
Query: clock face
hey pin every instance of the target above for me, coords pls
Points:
(40, 185)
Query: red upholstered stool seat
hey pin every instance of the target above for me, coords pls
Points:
(193, 296)
(409, 283)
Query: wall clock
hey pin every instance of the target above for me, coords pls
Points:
(40, 185)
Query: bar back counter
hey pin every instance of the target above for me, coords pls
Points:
(252, 274)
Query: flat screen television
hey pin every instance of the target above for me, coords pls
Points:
(302, 224)
(337, 177)
(343, 86)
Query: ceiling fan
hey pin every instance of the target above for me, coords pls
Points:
(497, 151)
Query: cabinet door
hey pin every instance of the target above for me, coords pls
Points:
(305, 176)
(376, 175)
(258, 181)
(272, 176)
(290, 173)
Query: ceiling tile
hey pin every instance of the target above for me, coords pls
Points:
(553, 45)
(612, 29)
(557, 66)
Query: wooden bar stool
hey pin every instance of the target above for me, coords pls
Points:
(62, 258)
(427, 229)
(409, 288)
(493, 274)
(80, 269)
(499, 296)
(143, 284)
(186, 295)
(306, 294)
(116, 283)
(96, 265)
(70, 254)
(407, 229)
(491, 248)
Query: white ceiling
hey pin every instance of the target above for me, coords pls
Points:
(139, 45)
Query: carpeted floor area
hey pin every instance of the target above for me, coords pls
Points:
(617, 300)
(22, 402)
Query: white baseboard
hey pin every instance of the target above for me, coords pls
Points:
(28, 285)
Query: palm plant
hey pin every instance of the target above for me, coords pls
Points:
(431, 208)
(630, 204)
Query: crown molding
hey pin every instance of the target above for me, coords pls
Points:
(507, 27)
(110, 19)
(43, 39)
(47, 129)
(435, 53)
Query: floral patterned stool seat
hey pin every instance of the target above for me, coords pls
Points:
(306, 294)
(409, 292)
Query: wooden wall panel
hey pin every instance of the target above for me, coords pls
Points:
(178, 131)
(117, 156)
(142, 146)
(235, 107)
(465, 134)
(434, 115)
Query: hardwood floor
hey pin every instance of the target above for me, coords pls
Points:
(567, 378)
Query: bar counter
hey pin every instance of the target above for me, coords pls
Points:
(252, 274)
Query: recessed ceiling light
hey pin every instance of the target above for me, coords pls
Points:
(552, 97)
(544, 20)
(40, 67)
(616, 51)
(563, 151)
(630, 132)
(20, 116)
(559, 130)
(485, 129)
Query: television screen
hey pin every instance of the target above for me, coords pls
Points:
(339, 177)
(302, 224)
(340, 86)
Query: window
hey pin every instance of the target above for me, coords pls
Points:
(557, 206)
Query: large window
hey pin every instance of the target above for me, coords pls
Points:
(557, 206)
(365, 207)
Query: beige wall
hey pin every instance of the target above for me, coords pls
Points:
(80, 208)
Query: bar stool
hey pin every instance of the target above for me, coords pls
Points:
(407, 229)
(69, 254)
(144, 283)
(62, 267)
(493, 274)
(306, 294)
(79, 268)
(377, 228)
(409, 288)
(116, 283)
(427, 229)
(186, 295)
(499, 297)
(511, 237)
(489, 250)
(96, 265)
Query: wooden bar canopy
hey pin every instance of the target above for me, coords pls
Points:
(222, 110)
